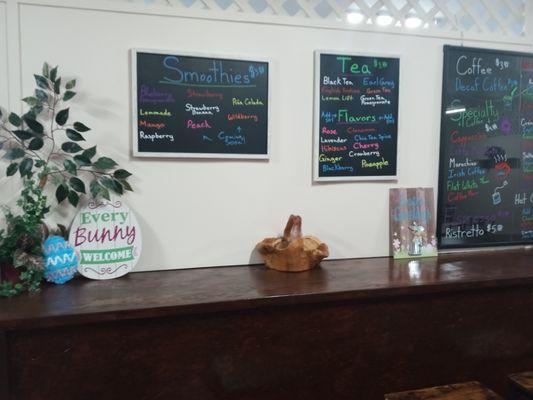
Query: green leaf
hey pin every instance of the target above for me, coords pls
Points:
(41, 95)
(36, 144)
(62, 117)
(31, 101)
(57, 86)
(14, 153)
(46, 70)
(107, 182)
(89, 153)
(77, 184)
(81, 127)
(104, 163)
(73, 135)
(25, 167)
(61, 193)
(53, 74)
(121, 174)
(14, 119)
(81, 160)
(39, 163)
(105, 193)
(34, 112)
(29, 114)
(34, 125)
(71, 167)
(73, 198)
(111, 184)
(70, 84)
(94, 188)
(23, 135)
(118, 187)
(63, 231)
(68, 95)
(12, 169)
(41, 81)
(71, 147)
(97, 189)
(126, 185)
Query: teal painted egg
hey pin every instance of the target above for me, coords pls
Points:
(60, 259)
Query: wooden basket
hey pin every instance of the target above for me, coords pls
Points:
(292, 252)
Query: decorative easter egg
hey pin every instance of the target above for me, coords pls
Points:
(107, 239)
(61, 261)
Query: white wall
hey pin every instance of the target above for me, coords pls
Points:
(210, 213)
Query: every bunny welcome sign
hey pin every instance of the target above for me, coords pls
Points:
(107, 240)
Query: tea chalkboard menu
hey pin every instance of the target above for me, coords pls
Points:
(199, 106)
(486, 151)
(356, 117)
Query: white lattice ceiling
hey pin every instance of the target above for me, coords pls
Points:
(497, 17)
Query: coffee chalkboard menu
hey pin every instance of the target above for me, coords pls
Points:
(486, 152)
(196, 106)
(356, 117)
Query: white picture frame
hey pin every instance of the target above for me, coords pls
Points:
(179, 155)
(316, 118)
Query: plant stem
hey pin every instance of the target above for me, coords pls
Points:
(44, 177)
(95, 173)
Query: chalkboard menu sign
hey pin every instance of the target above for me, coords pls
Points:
(486, 151)
(356, 117)
(197, 106)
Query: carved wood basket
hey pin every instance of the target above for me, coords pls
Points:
(292, 252)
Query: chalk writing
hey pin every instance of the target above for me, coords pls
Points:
(211, 106)
(357, 116)
(486, 164)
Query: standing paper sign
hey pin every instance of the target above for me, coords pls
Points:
(412, 223)
(107, 240)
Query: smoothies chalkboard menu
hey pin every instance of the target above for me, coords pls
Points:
(486, 151)
(196, 106)
(356, 117)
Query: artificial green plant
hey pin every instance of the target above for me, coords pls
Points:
(46, 148)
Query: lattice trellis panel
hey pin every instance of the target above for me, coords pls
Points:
(497, 17)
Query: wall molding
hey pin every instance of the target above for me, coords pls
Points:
(14, 64)
(4, 67)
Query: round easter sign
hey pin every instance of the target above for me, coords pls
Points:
(107, 239)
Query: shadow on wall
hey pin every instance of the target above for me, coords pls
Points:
(149, 241)
(255, 257)
(98, 108)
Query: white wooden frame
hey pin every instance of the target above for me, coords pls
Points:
(134, 106)
(316, 119)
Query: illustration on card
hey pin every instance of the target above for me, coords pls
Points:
(412, 223)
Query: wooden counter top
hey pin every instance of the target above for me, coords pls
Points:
(155, 294)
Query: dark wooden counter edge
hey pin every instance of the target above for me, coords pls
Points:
(205, 308)
(401, 289)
